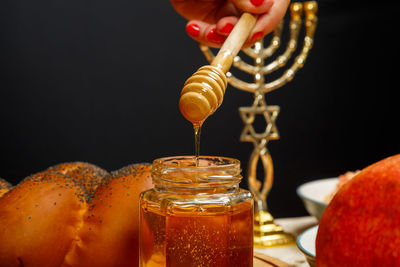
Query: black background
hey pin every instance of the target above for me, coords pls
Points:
(99, 81)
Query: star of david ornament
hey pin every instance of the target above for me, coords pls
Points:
(248, 115)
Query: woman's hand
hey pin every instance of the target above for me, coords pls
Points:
(211, 21)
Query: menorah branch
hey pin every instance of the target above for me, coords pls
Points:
(207, 52)
(242, 85)
(270, 50)
(295, 25)
(310, 26)
(275, 42)
(243, 66)
(259, 53)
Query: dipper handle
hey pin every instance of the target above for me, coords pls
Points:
(203, 92)
(234, 42)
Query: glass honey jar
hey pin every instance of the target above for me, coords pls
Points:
(196, 214)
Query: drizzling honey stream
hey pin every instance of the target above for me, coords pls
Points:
(203, 92)
(197, 134)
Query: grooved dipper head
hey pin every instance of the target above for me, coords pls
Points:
(202, 94)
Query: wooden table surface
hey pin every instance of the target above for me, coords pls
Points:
(288, 254)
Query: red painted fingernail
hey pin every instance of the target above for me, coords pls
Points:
(257, 35)
(227, 28)
(193, 29)
(214, 37)
(257, 2)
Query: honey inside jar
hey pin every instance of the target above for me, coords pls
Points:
(196, 215)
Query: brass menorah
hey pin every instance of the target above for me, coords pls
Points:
(266, 232)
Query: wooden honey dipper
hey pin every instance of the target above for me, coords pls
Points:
(203, 92)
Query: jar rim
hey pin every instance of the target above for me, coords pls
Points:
(182, 171)
(189, 162)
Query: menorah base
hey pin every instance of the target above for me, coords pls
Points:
(267, 233)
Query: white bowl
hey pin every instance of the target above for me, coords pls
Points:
(306, 243)
(313, 195)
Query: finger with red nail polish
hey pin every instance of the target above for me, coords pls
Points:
(214, 37)
(256, 2)
(193, 29)
(226, 25)
(227, 28)
(204, 33)
(256, 36)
